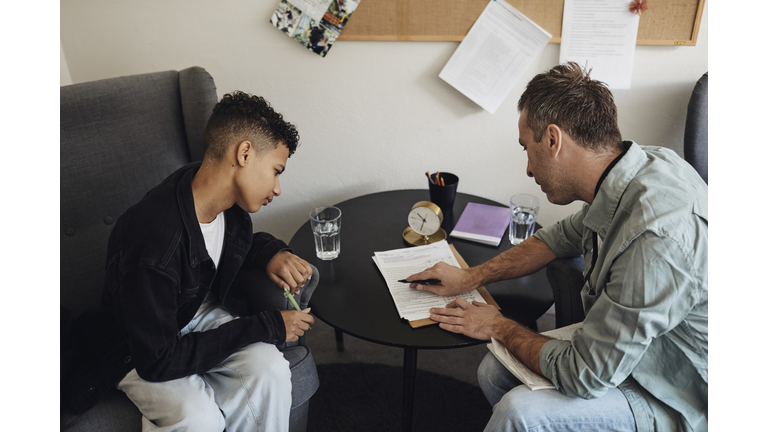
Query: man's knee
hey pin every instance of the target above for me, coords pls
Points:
(487, 371)
(515, 412)
(494, 378)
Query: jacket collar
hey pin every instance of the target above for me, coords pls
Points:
(238, 221)
(197, 250)
(600, 214)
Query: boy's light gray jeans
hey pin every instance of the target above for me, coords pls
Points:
(249, 391)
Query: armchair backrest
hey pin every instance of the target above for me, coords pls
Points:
(119, 138)
(696, 139)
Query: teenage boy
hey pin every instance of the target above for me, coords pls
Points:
(171, 260)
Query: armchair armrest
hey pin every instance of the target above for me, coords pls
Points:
(566, 277)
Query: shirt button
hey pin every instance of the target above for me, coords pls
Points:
(127, 359)
(91, 388)
(108, 220)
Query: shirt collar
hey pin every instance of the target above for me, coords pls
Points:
(611, 186)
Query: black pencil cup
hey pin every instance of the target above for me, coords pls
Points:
(443, 196)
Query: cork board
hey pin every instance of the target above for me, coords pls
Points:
(666, 22)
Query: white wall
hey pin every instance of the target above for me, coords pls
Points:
(65, 77)
(373, 116)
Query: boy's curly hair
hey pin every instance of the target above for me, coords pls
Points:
(239, 117)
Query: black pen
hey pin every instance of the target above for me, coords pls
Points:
(422, 281)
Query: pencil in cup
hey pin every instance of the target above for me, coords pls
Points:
(436, 180)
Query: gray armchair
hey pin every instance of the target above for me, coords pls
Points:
(696, 139)
(565, 275)
(119, 138)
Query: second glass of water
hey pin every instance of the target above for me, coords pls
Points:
(326, 227)
(523, 211)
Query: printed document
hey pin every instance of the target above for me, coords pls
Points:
(601, 34)
(400, 263)
(498, 49)
(531, 379)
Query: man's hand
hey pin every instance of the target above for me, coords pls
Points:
(483, 322)
(296, 323)
(477, 320)
(288, 270)
(453, 280)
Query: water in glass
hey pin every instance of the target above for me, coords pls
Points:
(327, 239)
(521, 225)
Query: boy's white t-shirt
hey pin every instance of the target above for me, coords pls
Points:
(213, 233)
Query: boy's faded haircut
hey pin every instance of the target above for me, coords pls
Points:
(239, 117)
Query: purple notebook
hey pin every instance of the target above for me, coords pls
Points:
(482, 223)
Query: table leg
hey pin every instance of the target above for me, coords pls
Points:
(339, 340)
(409, 378)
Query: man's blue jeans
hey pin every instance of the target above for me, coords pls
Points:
(516, 408)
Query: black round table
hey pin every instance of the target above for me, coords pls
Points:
(352, 295)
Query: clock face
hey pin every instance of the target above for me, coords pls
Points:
(423, 221)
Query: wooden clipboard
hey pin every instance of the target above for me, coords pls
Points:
(483, 292)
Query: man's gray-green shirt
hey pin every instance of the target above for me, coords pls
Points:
(646, 327)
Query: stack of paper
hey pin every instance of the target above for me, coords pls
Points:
(531, 379)
(401, 263)
(482, 223)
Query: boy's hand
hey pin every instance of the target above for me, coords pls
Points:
(288, 270)
(296, 323)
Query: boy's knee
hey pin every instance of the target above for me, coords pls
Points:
(196, 414)
(267, 365)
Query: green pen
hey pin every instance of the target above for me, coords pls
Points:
(293, 301)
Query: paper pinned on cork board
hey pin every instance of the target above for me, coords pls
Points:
(601, 35)
(499, 48)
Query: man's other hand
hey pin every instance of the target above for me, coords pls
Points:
(453, 280)
(296, 323)
(289, 271)
(477, 320)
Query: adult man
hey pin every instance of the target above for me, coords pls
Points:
(171, 261)
(640, 361)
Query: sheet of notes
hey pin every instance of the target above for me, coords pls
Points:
(497, 50)
(601, 34)
(400, 263)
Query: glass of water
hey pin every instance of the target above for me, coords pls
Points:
(326, 227)
(523, 211)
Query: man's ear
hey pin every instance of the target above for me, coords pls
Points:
(244, 153)
(553, 140)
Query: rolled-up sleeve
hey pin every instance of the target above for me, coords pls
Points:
(564, 237)
(648, 292)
